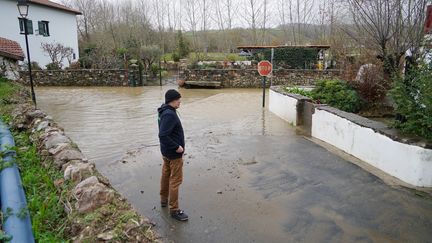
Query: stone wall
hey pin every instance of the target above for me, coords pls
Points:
(9, 68)
(249, 78)
(230, 78)
(84, 191)
(80, 77)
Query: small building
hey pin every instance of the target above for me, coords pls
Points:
(48, 22)
(10, 54)
(291, 57)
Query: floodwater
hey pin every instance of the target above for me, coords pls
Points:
(248, 176)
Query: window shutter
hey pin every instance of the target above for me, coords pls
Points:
(29, 27)
(21, 25)
(46, 29)
(41, 28)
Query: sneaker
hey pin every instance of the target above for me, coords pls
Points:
(164, 204)
(179, 215)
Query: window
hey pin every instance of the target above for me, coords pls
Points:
(43, 28)
(29, 26)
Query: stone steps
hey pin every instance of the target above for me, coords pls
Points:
(203, 84)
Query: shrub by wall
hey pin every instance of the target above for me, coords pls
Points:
(413, 101)
(338, 94)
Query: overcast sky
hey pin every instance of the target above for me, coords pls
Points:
(274, 11)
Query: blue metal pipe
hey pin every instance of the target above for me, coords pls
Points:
(12, 197)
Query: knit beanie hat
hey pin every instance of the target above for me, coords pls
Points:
(171, 95)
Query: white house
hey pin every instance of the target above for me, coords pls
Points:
(49, 22)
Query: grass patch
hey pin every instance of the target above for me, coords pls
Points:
(215, 56)
(167, 57)
(8, 89)
(211, 56)
(336, 93)
(299, 91)
(43, 198)
(47, 193)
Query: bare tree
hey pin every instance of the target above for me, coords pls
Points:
(159, 10)
(252, 14)
(391, 26)
(304, 17)
(283, 17)
(192, 19)
(173, 22)
(296, 15)
(106, 16)
(86, 21)
(205, 15)
(223, 16)
(329, 13)
(231, 8)
(264, 21)
(57, 52)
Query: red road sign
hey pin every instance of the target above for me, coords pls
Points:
(265, 68)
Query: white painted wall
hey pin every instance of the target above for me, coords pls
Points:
(62, 28)
(284, 106)
(409, 163)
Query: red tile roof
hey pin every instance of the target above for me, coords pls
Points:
(50, 4)
(11, 49)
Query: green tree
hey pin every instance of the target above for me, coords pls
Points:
(149, 55)
(183, 48)
(412, 95)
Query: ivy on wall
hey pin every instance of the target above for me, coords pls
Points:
(291, 58)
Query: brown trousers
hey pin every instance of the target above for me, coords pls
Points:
(172, 177)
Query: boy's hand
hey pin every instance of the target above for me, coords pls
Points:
(180, 150)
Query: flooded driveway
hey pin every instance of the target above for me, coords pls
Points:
(248, 176)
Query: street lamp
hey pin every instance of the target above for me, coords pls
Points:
(23, 11)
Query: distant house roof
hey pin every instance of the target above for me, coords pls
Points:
(50, 4)
(11, 49)
(284, 46)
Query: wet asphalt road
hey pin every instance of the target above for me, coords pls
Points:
(276, 185)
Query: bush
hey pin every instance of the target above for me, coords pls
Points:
(413, 100)
(164, 74)
(85, 62)
(175, 57)
(154, 69)
(53, 66)
(338, 94)
(35, 66)
(193, 65)
(296, 90)
(183, 47)
(371, 85)
(74, 65)
(209, 66)
(234, 57)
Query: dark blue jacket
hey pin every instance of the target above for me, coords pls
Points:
(171, 134)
